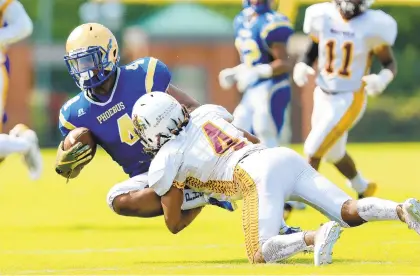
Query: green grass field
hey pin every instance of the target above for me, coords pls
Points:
(50, 227)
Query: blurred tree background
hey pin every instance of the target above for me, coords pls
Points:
(394, 116)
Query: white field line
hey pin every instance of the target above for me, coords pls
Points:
(155, 248)
(119, 250)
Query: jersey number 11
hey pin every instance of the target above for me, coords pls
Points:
(347, 58)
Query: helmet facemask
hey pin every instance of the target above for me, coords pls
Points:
(353, 8)
(92, 66)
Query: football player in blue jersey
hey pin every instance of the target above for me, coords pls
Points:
(109, 92)
(15, 26)
(263, 75)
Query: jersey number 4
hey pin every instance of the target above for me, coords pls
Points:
(347, 50)
(219, 140)
(126, 130)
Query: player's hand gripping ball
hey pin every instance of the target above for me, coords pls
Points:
(75, 152)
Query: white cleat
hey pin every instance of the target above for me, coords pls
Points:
(18, 130)
(411, 209)
(325, 239)
(32, 158)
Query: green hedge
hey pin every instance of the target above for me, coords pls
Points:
(389, 119)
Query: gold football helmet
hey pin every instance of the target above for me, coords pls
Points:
(91, 55)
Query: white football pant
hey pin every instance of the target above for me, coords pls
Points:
(281, 174)
(333, 116)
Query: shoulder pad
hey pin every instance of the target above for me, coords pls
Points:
(277, 29)
(384, 27)
(68, 104)
(238, 20)
(155, 73)
(212, 108)
(136, 64)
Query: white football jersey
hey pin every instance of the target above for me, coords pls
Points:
(203, 156)
(346, 47)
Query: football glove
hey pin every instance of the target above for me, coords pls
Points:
(301, 71)
(247, 76)
(68, 160)
(227, 77)
(377, 83)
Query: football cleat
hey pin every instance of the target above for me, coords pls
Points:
(411, 209)
(32, 158)
(325, 238)
(224, 204)
(17, 130)
(370, 190)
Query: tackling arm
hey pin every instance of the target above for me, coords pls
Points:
(253, 139)
(176, 219)
(19, 25)
(158, 78)
(182, 97)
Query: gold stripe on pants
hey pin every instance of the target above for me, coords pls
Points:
(249, 211)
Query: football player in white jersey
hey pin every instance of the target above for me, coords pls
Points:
(346, 35)
(15, 26)
(204, 151)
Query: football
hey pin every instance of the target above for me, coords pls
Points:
(84, 136)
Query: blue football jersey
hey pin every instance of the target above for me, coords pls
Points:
(109, 120)
(254, 37)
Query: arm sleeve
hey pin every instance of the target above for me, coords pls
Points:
(64, 122)
(158, 76)
(19, 25)
(313, 21)
(162, 172)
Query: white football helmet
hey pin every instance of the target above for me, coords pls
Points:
(158, 118)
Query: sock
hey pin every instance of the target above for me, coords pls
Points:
(376, 209)
(193, 200)
(358, 183)
(282, 247)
